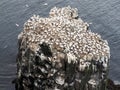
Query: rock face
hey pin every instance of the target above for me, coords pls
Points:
(112, 86)
(61, 53)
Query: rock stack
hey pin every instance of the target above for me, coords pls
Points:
(61, 53)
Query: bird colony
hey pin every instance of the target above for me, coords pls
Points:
(61, 53)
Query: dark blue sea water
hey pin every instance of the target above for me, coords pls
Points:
(103, 14)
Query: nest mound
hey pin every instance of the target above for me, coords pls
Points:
(64, 32)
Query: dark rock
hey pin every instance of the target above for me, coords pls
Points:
(112, 86)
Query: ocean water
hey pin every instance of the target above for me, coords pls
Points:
(103, 14)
